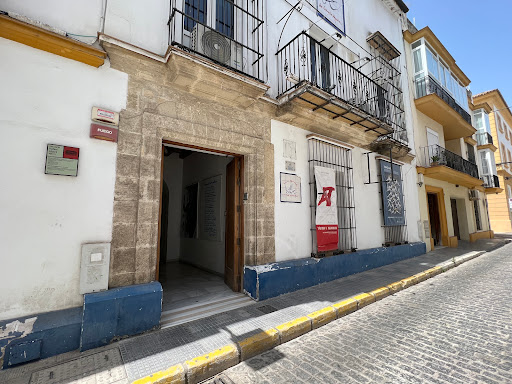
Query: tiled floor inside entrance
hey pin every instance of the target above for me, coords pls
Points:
(191, 293)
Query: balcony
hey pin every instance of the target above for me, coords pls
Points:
(317, 79)
(491, 184)
(233, 38)
(441, 164)
(439, 105)
(484, 141)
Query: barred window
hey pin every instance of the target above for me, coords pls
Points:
(329, 155)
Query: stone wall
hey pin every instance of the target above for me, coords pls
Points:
(185, 101)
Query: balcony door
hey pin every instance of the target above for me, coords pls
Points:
(221, 15)
(320, 66)
(433, 145)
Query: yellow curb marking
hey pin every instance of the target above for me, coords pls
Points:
(380, 293)
(345, 307)
(172, 375)
(294, 328)
(364, 299)
(322, 317)
(259, 343)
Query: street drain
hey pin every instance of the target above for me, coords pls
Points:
(267, 309)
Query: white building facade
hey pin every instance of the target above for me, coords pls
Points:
(230, 116)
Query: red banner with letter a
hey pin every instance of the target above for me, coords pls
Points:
(326, 210)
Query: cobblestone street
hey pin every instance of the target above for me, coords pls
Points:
(454, 328)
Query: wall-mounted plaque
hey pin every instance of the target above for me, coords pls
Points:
(290, 188)
(61, 160)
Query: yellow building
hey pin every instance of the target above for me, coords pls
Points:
(500, 127)
(451, 192)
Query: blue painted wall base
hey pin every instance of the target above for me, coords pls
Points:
(104, 317)
(120, 312)
(52, 333)
(265, 281)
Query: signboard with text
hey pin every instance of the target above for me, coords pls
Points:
(61, 160)
(333, 11)
(392, 195)
(326, 210)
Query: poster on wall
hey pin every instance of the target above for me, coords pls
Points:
(333, 11)
(392, 195)
(326, 209)
(210, 209)
(290, 188)
(61, 160)
(189, 212)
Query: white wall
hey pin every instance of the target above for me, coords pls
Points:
(78, 17)
(173, 176)
(140, 23)
(293, 220)
(204, 253)
(45, 99)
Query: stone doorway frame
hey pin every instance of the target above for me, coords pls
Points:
(141, 242)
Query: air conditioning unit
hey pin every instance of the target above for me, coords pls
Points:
(217, 47)
(473, 195)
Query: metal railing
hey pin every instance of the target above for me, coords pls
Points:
(491, 181)
(304, 60)
(484, 138)
(434, 155)
(427, 86)
(234, 41)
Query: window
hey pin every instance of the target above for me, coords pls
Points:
(509, 159)
(478, 119)
(432, 64)
(196, 9)
(444, 74)
(498, 123)
(418, 61)
(487, 123)
(224, 16)
(340, 159)
(477, 215)
(485, 163)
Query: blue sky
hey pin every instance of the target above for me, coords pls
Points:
(477, 34)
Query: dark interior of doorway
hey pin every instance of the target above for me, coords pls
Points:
(455, 218)
(200, 232)
(435, 221)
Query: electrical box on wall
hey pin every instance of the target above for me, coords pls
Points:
(94, 267)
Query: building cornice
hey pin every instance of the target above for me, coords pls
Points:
(49, 41)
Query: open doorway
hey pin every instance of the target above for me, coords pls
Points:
(201, 233)
(435, 222)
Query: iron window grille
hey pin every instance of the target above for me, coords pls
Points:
(393, 234)
(230, 33)
(328, 155)
(477, 215)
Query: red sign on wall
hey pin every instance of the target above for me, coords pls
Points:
(327, 235)
(103, 132)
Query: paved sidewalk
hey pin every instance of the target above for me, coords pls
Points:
(156, 351)
(453, 329)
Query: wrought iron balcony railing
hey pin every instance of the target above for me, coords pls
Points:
(491, 181)
(484, 138)
(304, 60)
(427, 86)
(434, 155)
(233, 38)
